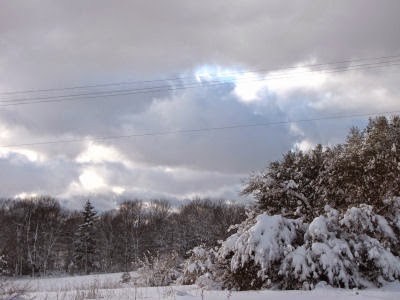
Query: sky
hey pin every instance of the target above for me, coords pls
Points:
(215, 63)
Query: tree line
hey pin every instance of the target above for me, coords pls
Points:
(38, 237)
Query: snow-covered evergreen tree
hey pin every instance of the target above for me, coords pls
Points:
(365, 169)
(288, 187)
(85, 241)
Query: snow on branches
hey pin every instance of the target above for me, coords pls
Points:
(350, 249)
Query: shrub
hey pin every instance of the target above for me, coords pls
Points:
(158, 270)
(349, 249)
(198, 265)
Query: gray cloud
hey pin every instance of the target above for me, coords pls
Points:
(99, 40)
(20, 175)
(57, 44)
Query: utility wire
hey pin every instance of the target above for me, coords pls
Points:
(197, 83)
(182, 78)
(198, 130)
(122, 92)
(191, 77)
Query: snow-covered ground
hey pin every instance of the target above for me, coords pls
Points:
(108, 286)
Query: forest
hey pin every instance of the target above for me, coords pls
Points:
(38, 237)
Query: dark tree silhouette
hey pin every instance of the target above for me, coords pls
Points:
(85, 242)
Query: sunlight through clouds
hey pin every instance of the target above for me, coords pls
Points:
(249, 86)
(285, 81)
(97, 153)
(216, 74)
(91, 180)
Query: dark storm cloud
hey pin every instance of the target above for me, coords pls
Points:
(65, 43)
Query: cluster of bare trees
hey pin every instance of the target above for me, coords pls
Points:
(39, 237)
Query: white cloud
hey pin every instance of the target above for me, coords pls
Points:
(29, 154)
(284, 82)
(303, 145)
(92, 180)
(97, 153)
(25, 195)
(4, 133)
(295, 129)
(118, 190)
(357, 91)
(248, 87)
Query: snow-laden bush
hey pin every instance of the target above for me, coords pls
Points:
(371, 239)
(391, 211)
(350, 249)
(200, 262)
(394, 204)
(324, 256)
(251, 257)
(158, 270)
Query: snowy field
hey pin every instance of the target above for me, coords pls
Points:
(108, 286)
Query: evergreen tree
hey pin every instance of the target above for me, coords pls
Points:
(365, 169)
(85, 240)
(290, 186)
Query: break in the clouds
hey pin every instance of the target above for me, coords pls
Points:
(248, 45)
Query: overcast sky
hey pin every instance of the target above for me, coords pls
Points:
(248, 44)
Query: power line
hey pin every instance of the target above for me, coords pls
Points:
(123, 92)
(182, 78)
(197, 84)
(197, 130)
